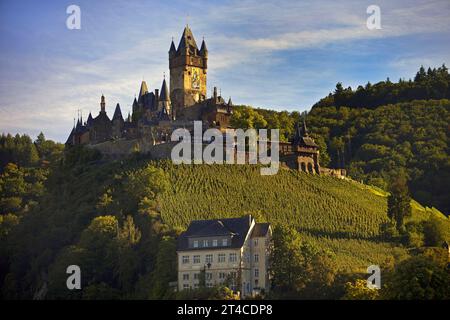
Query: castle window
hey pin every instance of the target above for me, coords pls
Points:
(256, 257)
(185, 259)
(215, 243)
(209, 258)
(196, 259)
(205, 243)
(221, 257)
(195, 243)
(224, 242)
(233, 257)
(256, 273)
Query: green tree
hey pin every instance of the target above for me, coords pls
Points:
(434, 232)
(165, 269)
(359, 290)
(399, 201)
(418, 278)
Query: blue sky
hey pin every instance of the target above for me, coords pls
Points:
(284, 55)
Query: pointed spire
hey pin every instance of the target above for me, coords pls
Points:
(203, 49)
(102, 103)
(172, 47)
(230, 103)
(304, 129)
(297, 133)
(143, 91)
(89, 120)
(117, 113)
(187, 41)
(164, 95)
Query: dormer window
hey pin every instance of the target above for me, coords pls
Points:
(205, 243)
(215, 243)
(225, 242)
(195, 244)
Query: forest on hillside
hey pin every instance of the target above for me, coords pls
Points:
(433, 84)
(119, 220)
(376, 141)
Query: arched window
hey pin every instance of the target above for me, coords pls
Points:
(302, 167)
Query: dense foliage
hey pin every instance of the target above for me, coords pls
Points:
(431, 84)
(376, 144)
(118, 221)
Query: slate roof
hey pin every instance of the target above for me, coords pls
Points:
(301, 136)
(187, 41)
(172, 47)
(90, 120)
(260, 230)
(236, 227)
(117, 113)
(164, 96)
(143, 91)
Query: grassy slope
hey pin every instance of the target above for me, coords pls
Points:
(342, 216)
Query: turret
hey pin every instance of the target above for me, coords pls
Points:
(164, 105)
(172, 50)
(135, 105)
(102, 104)
(90, 120)
(203, 50)
(142, 92)
(117, 114)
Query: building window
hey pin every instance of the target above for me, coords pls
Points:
(185, 259)
(222, 275)
(256, 273)
(196, 276)
(214, 243)
(208, 276)
(185, 276)
(221, 257)
(185, 286)
(256, 282)
(195, 243)
(196, 259)
(233, 275)
(209, 258)
(209, 285)
(255, 242)
(233, 257)
(205, 243)
(256, 257)
(224, 242)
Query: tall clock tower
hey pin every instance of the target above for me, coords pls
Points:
(188, 66)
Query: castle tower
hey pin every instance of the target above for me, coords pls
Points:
(102, 104)
(188, 66)
(164, 104)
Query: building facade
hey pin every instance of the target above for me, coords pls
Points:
(232, 252)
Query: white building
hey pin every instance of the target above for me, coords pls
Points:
(233, 252)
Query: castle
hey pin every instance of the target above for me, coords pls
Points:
(156, 114)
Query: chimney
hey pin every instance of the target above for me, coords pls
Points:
(215, 94)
